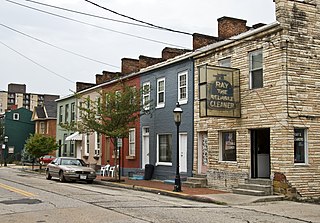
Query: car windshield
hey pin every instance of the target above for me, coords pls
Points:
(74, 162)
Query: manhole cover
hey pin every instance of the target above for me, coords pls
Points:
(22, 201)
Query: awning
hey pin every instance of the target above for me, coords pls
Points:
(74, 137)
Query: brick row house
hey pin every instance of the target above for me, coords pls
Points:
(250, 105)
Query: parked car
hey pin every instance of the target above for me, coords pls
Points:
(46, 159)
(70, 169)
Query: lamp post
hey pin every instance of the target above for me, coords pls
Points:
(6, 139)
(177, 112)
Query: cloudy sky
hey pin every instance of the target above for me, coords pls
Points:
(50, 49)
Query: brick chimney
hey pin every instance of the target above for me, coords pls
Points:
(200, 40)
(168, 53)
(106, 76)
(129, 66)
(228, 27)
(82, 86)
(145, 61)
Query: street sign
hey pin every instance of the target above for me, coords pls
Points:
(119, 142)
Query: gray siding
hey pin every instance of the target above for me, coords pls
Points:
(161, 119)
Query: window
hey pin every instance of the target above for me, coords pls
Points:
(256, 71)
(66, 113)
(165, 148)
(16, 116)
(98, 144)
(87, 145)
(98, 108)
(228, 146)
(160, 92)
(226, 62)
(64, 152)
(72, 148)
(300, 145)
(132, 143)
(73, 112)
(183, 87)
(42, 128)
(60, 114)
(146, 96)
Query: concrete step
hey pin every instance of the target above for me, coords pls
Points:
(266, 188)
(196, 180)
(191, 184)
(250, 192)
(259, 181)
(198, 175)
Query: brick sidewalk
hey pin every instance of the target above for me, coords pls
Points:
(162, 186)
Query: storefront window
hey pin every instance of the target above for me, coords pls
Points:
(228, 146)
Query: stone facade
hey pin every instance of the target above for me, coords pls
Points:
(288, 100)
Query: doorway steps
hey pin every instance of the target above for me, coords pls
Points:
(197, 181)
(255, 187)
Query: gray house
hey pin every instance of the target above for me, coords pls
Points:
(164, 85)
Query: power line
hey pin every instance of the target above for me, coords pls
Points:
(137, 20)
(47, 69)
(96, 26)
(91, 15)
(68, 51)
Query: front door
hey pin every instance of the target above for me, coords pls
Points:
(260, 153)
(183, 152)
(202, 152)
(145, 146)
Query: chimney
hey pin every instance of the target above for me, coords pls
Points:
(200, 40)
(82, 86)
(145, 61)
(129, 66)
(168, 53)
(228, 27)
(106, 76)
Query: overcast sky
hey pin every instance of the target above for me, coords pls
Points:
(48, 70)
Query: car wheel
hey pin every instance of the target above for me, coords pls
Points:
(61, 177)
(89, 181)
(48, 175)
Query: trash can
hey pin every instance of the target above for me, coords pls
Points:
(148, 171)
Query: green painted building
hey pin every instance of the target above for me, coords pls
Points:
(18, 127)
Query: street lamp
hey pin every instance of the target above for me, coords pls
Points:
(6, 139)
(177, 112)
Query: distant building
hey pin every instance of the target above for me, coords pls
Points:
(18, 97)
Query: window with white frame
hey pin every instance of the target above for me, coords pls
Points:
(16, 116)
(164, 149)
(64, 152)
(42, 127)
(66, 113)
(300, 146)
(228, 146)
(256, 69)
(226, 62)
(98, 144)
(161, 92)
(98, 108)
(72, 146)
(132, 142)
(87, 145)
(183, 87)
(146, 95)
(60, 113)
(73, 112)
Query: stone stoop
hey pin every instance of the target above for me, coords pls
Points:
(255, 187)
(197, 181)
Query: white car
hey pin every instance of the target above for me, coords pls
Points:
(70, 169)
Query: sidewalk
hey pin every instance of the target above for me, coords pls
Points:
(199, 194)
(158, 187)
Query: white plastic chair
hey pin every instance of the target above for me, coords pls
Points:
(106, 170)
(111, 171)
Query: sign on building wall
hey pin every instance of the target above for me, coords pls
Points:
(219, 91)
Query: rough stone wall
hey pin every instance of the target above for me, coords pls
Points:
(289, 99)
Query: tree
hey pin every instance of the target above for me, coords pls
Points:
(39, 145)
(111, 114)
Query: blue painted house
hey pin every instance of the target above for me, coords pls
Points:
(164, 85)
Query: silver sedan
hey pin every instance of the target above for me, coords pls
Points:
(70, 169)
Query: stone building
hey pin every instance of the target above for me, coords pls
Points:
(259, 117)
